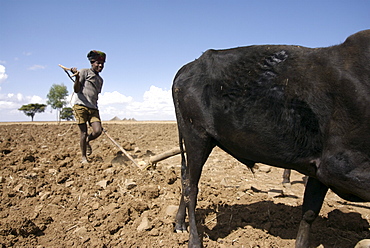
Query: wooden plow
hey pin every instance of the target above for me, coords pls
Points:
(153, 160)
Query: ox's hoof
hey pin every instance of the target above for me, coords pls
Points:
(180, 228)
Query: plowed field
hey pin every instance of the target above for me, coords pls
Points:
(50, 199)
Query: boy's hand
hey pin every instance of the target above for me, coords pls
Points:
(74, 71)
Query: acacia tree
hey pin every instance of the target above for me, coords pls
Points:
(67, 114)
(32, 108)
(57, 97)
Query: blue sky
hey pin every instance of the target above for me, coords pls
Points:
(146, 42)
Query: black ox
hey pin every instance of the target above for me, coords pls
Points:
(287, 106)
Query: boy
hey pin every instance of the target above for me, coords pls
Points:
(87, 86)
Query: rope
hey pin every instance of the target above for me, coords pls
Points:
(66, 131)
(70, 101)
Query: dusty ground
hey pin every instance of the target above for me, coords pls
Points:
(49, 199)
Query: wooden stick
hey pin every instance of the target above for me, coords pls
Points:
(155, 159)
(65, 68)
(68, 69)
(120, 147)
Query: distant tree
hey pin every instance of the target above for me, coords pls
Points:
(32, 108)
(57, 97)
(67, 114)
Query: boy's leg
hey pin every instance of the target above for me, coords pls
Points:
(81, 114)
(83, 143)
(95, 123)
(96, 132)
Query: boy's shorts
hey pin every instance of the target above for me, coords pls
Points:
(84, 114)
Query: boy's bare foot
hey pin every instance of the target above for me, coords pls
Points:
(88, 149)
(84, 161)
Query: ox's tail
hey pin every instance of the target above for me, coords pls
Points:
(182, 152)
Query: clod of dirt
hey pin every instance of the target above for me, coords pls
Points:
(5, 151)
(62, 177)
(139, 206)
(130, 184)
(171, 177)
(150, 191)
(29, 158)
(19, 227)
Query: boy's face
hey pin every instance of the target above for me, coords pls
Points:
(97, 66)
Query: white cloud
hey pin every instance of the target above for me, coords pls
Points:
(155, 105)
(3, 75)
(36, 67)
(15, 101)
(157, 102)
(108, 98)
(6, 104)
(36, 99)
(10, 103)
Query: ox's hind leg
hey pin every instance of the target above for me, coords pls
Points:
(197, 152)
(313, 199)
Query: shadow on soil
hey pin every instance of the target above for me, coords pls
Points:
(339, 229)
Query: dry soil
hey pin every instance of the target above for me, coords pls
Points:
(50, 199)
